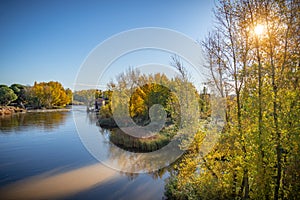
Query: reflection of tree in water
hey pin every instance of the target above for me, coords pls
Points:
(144, 162)
(161, 172)
(92, 118)
(154, 174)
(19, 122)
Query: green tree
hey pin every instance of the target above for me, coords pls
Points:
(86, 96)
(7, 95)
(20, 91)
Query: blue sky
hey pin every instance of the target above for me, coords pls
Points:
(49, 40)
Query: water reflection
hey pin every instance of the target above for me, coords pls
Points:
(142, 162)
(96, 141)
(53, 185)
(26, 157)
(92, 118)
(21, 121)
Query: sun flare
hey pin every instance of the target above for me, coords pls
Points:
(259, 29)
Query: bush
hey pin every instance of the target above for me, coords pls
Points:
(107, 123)
(7, 95)
(105, 112)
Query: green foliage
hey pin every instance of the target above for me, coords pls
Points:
(86, 96)
(21, 92)
(105, 112)
(7, 95)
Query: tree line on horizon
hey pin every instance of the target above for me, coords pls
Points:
(41, 95)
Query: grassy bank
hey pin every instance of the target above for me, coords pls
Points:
(134, 144)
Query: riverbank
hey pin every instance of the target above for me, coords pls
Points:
(49, 110)
(139, 144)
(9, 110)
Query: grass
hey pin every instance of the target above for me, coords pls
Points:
(134, 144)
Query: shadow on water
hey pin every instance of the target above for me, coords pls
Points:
(53, 185)
(49, 185)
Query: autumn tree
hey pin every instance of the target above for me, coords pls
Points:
(141, 92)
(136, 93)
(51, 94)
(253, 57)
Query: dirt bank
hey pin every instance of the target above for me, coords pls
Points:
(8, 110)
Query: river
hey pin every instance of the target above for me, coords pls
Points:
(42, 157)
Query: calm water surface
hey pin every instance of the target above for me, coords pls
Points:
(42, 157)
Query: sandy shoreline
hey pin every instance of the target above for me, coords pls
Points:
(49, 110)
(10, 110)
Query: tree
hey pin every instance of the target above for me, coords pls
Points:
(7, 95)
(20, 91)
(51, 94)
(146, 96)
(86, 96)
(69, 95)
(253, 56)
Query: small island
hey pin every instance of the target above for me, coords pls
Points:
(137, 100)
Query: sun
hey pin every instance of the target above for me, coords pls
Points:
(259, 29)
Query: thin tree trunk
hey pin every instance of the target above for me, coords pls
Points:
(260, 117)
(277, 132)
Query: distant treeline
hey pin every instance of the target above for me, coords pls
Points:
(89, 96)
(41, 95)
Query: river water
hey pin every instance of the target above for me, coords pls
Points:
(42, 157)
